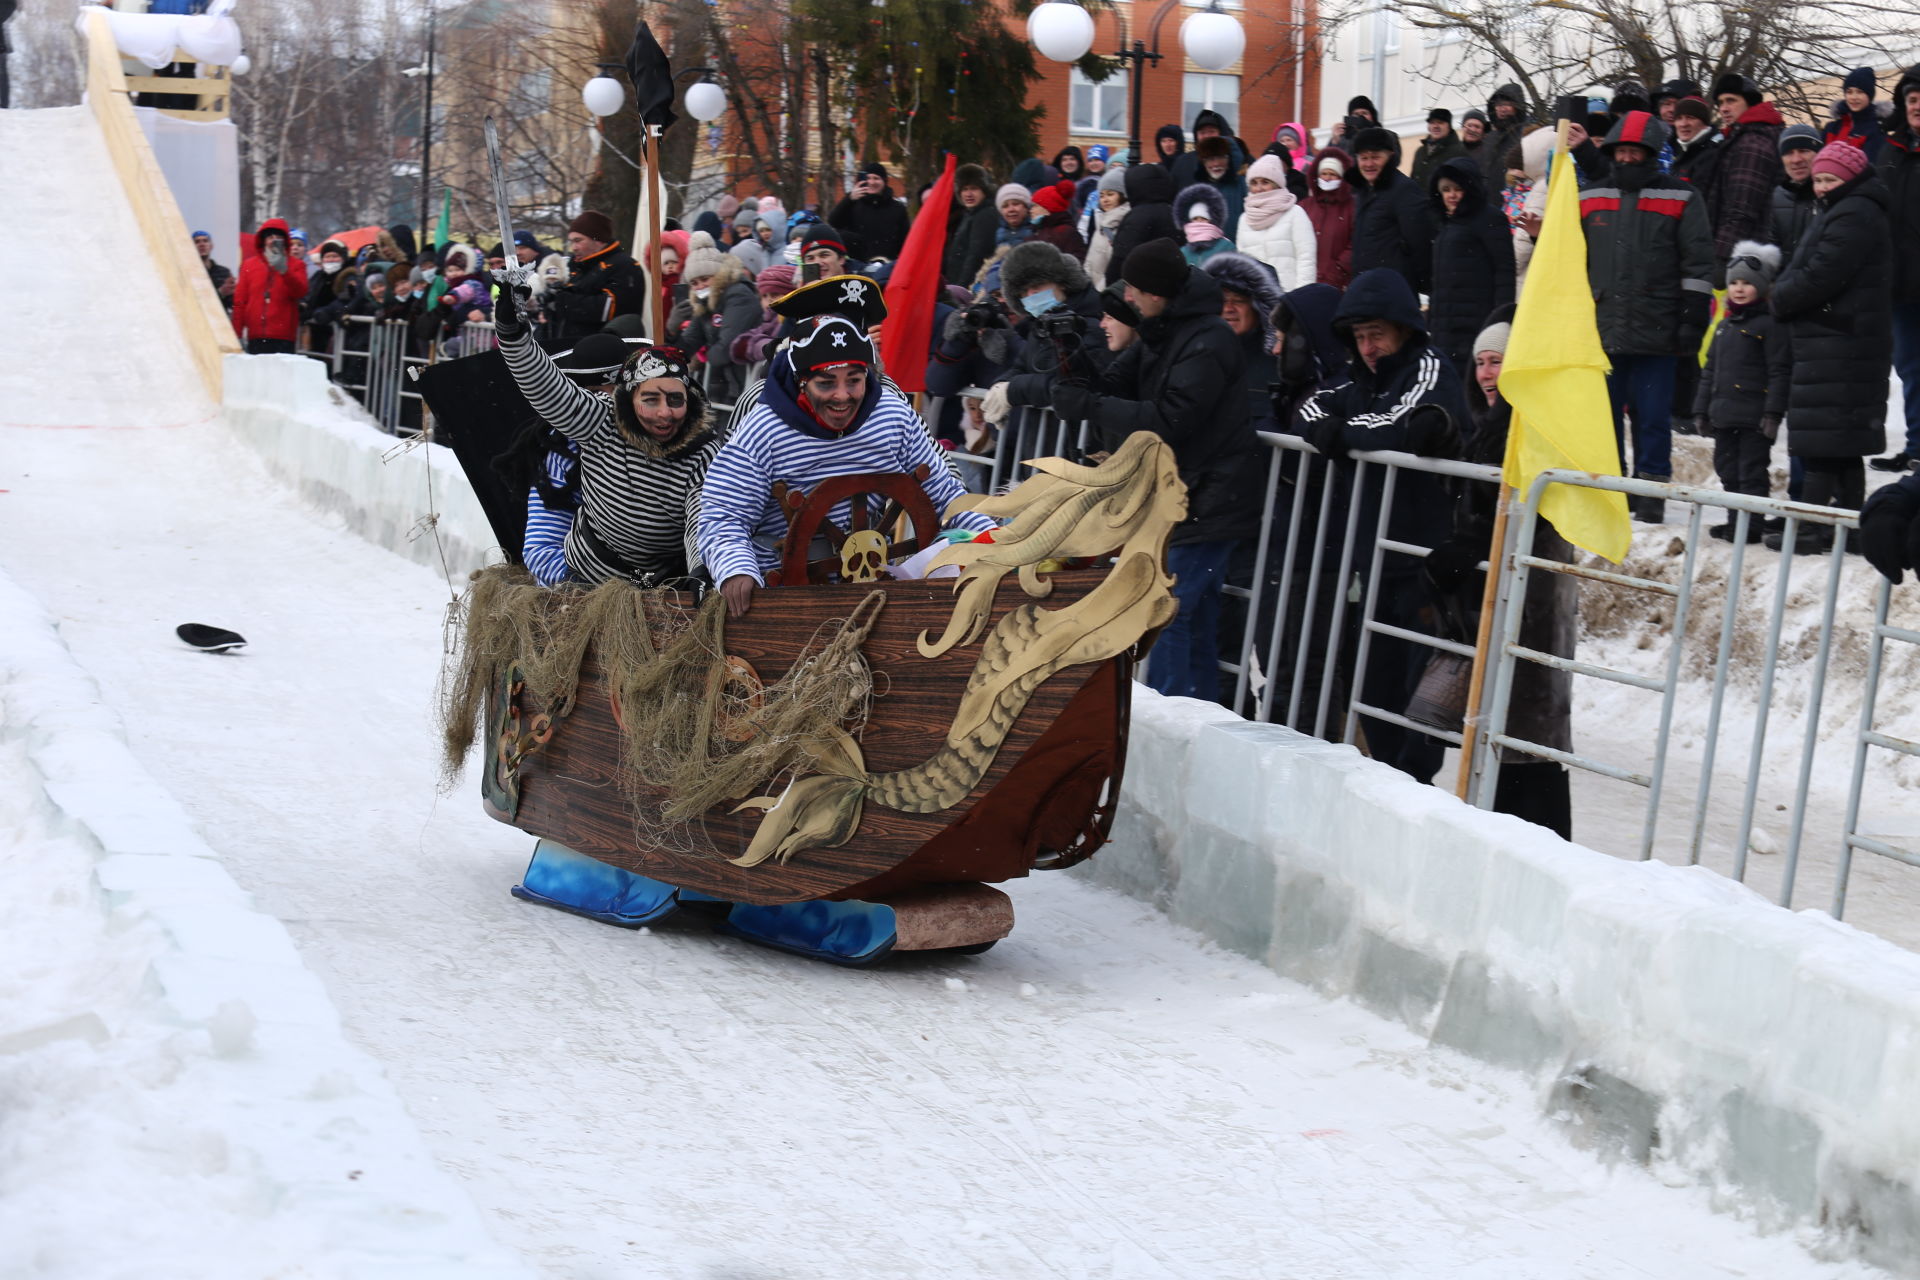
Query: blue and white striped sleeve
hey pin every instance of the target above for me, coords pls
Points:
(734, 496)
(544, 549)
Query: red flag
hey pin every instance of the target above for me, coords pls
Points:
(914, 287)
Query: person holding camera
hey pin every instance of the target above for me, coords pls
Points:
(1058, 313)
(1182, 379)
(869, 214)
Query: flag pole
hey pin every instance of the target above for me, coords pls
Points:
(656, 323)
(1489, 597)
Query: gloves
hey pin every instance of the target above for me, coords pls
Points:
(1452, 563)
(1327, 436)
(994, 407)
(1702, 427)
(1770, 428)
(515, 303)
(1430, 433)
(1889, 533)
(1075, 404)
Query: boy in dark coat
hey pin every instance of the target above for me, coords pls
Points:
(1857, 118)
(1836, 299)
(1743, 392)
(1473, 268)
(1392, 226)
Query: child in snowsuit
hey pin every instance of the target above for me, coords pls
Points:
(1743, 390)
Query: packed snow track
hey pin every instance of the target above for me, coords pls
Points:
(1100, 1096)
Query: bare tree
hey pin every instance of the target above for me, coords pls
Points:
(48, 66)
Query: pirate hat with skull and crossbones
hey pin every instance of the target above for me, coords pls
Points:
(823, 342)
(855, 297)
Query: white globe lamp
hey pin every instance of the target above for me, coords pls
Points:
(1213, 40)
(706, 101)
(241, 65)
(1061, 31)
(602, 95)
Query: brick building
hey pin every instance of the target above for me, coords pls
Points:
(1277, 79)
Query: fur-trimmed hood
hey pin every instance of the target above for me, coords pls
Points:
(1036, 263)
(1245, 276)
(1201, 193)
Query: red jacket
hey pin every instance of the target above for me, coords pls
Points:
(266, 304)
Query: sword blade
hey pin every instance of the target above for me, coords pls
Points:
(499, 189)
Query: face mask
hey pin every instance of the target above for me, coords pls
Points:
(701, 294)
(1331, 184)
(1038, 304)
(330, 267)
(428, 272)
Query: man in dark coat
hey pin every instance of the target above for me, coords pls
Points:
(1836, 299)
(870, 216)
(1506, 125)
(1169, 144)
(1650, 264)
(1392, 226)
(1207, 123)
(218, 276)
(1181, 379)
(1695, 150)
(1473, 267)
(1403, 396)
(1793, 195)
(1741, 198)
(1149, 213)
(970, 225)
(603, 281)
(1899, 169)
(1038, 280)
(1439, 146)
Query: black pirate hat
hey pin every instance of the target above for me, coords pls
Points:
(855, 297)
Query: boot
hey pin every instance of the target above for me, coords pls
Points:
(1648, 510)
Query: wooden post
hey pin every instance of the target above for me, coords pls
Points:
(1475, 686)
(655, 196)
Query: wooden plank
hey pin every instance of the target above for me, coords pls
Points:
(196, 307)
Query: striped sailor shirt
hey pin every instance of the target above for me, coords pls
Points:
(544, 548)
(635, 499)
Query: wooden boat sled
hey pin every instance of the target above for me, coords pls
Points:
(994, 740)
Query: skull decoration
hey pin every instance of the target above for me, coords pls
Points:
(862, 554)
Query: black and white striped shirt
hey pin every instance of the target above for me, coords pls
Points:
(636, 500)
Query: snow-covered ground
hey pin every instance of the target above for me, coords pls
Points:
(1100, 1096)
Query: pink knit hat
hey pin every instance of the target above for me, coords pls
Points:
(1841, 158)
(1270, 168)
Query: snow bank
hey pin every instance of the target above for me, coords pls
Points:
(1667, 1013)
(179, 1097)
(318, 441)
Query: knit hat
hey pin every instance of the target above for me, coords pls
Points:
(1842, 158)
(1676, 89)
(1156, 267)
(1377, 139)
(1755, 263)
(872, 168)
(1494, 338)
(1860, 78)
(1474, 113)
(775, 281)
(1052, 199)
(822, 233)
(594, 225)
(729, 205)
(703, 257)
(1098, 151)
(1012, 191)
(1332, 159)
(1734, 82)
(1800, 137)
(1113, 301)
(746, 218)
(1695, 107)
(1270, 168)
(1114, 179)
(1440, 114)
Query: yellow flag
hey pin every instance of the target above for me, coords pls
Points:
(1555, 377)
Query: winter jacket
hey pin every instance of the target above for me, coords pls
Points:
(1186, 167)
(1431, 154)
(1243, 275)
(1233, 191)
(1792, 214)
(1392, 226)
(1697, 163)
(1740, 201)
(1149, 214)
(1836, 298)
(1165, 133)
(599, 287)
(1899, 169)
(1331, 213)
(1502, 138)
(266, 303)
(1473, 266)
(1037, 364)
(1287, 244)
(1197, 254)
(1058, 230)
(1380, 407)
(969, 241)
(1866, 129)
(1100, 264)
(735, 310)
(753, 255)
(1749, 367)
(1650, 263)
(876, 224)
(1182, 380)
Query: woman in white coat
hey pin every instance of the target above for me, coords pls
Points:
(1274, 229)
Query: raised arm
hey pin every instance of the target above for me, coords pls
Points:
(572, 410)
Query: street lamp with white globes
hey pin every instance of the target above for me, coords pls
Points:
(1063, 31)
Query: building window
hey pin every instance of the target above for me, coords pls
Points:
(1098, 106)
(1379, 32)
(1207, 92)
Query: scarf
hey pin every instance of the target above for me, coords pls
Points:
(1264, 208)
(1200, 231)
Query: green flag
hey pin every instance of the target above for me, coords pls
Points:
(442, 237)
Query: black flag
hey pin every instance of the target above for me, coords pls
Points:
(652, 79)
